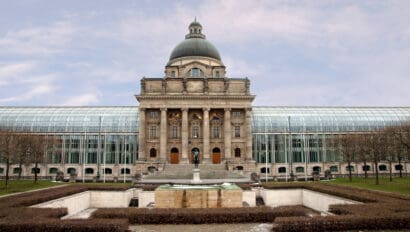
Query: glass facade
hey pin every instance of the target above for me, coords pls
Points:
(297, 134)
(88, 135)
(96, 135)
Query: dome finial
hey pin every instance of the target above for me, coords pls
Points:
(195, 19)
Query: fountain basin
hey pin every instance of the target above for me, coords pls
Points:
(198, 196)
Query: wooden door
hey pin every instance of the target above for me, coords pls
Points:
(174, 158)
(216, 158)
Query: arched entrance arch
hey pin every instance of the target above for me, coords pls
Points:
(216, 155)
(174, 156)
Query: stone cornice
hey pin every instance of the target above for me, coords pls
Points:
(195, 97)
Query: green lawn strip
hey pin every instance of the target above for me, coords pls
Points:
(16, 186)
(398, 185)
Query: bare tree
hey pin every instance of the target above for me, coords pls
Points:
(346, 145)
(36, 147)
(8, 144)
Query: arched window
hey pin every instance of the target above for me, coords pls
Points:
(127, 171)
(89, 171)
(316, 169)
(53, 170)
(108, 171)
(35, 170)
(366, 168)
(383, 167)
(265, 170)
(195, 72)
(71, 171)
(152, 169)
(349, 168)
(300, 169)
(282, 170)
(237, 152)
(334, 169)
(398, 167)
(174, 150)
(153, 153)
(16, 170)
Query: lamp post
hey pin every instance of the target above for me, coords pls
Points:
(266, 158)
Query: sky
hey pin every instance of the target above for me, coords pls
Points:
(296, 53)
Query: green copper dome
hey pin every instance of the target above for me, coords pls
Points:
(195, 44)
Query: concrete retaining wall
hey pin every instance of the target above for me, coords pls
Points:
(91, 199)
(314, 200)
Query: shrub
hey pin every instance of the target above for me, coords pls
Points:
(342, 223)
(199, 216)
(55, 225)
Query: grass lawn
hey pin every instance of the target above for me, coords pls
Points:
(16, 186)
(398, 185)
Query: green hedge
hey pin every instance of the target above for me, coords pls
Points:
(342, 223)
(56, 225)
(199, 216)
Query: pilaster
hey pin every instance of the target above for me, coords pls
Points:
(184, 136)
(141, 137)
(227, 133)
(163, 136)
(206, 136)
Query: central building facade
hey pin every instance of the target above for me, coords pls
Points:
(195, 107)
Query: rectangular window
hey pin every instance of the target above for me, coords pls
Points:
(173, 74)
(153, 114)
(153, 132)
(237, 131)
(297, 156)
(296, 143)
(236, 114)
(174, 132)
(217, 74)
(195, 132)
(215, 132)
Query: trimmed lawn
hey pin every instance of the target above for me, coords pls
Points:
(16, 186)
(398, 185)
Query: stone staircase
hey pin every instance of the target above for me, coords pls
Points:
(184, 171)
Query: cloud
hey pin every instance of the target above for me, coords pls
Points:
(38, 40)
(35, 91)
(82, 100)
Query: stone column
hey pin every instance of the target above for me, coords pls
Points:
(184, 136)
(248, 125)
(206, 136)
(163, 136)
(141, 137)
(227, 134)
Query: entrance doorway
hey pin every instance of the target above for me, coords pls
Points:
(216, 155)
(174, 157)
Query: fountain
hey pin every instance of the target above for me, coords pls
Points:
(198, 196)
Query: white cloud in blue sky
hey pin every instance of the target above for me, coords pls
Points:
(294, 52)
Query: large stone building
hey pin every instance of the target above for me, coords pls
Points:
(196, 107)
